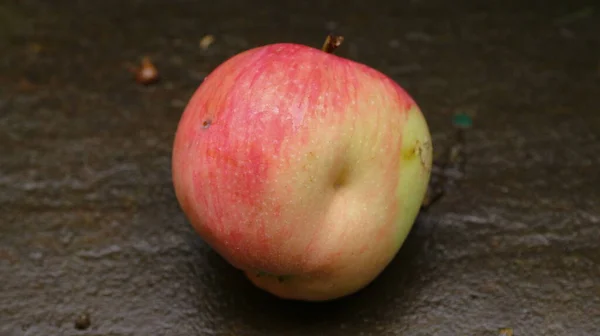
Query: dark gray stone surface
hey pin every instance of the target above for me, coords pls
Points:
(90, 228)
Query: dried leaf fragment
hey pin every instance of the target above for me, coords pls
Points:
(24, 85)
(147, 73)
(206, 41)
(35, 48)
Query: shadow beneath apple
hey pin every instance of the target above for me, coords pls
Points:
(240, 306)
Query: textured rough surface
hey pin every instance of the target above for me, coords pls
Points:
(90, 227)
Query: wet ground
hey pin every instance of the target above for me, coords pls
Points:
(92, 241)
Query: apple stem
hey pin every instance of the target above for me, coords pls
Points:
(332, 42)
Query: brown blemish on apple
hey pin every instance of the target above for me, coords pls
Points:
(217, 155)
(422, 151)
(206, 123)
(310, 158)
(279, 278)
(341, 178)
(410, 152)
(418, 150)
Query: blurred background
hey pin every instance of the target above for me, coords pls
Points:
(92, 241)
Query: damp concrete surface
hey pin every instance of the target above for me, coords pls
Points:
(92, 241)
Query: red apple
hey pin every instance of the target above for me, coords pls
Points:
(304, 169)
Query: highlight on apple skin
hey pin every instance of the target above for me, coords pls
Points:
(301, 168)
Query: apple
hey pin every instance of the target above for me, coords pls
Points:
(303, 169)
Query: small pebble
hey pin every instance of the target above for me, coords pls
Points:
(418, 36)
(66, 236)
(177, 103)
(83, 321)
(394, 43)
(36, 255)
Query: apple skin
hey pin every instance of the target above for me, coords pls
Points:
(304, 169)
